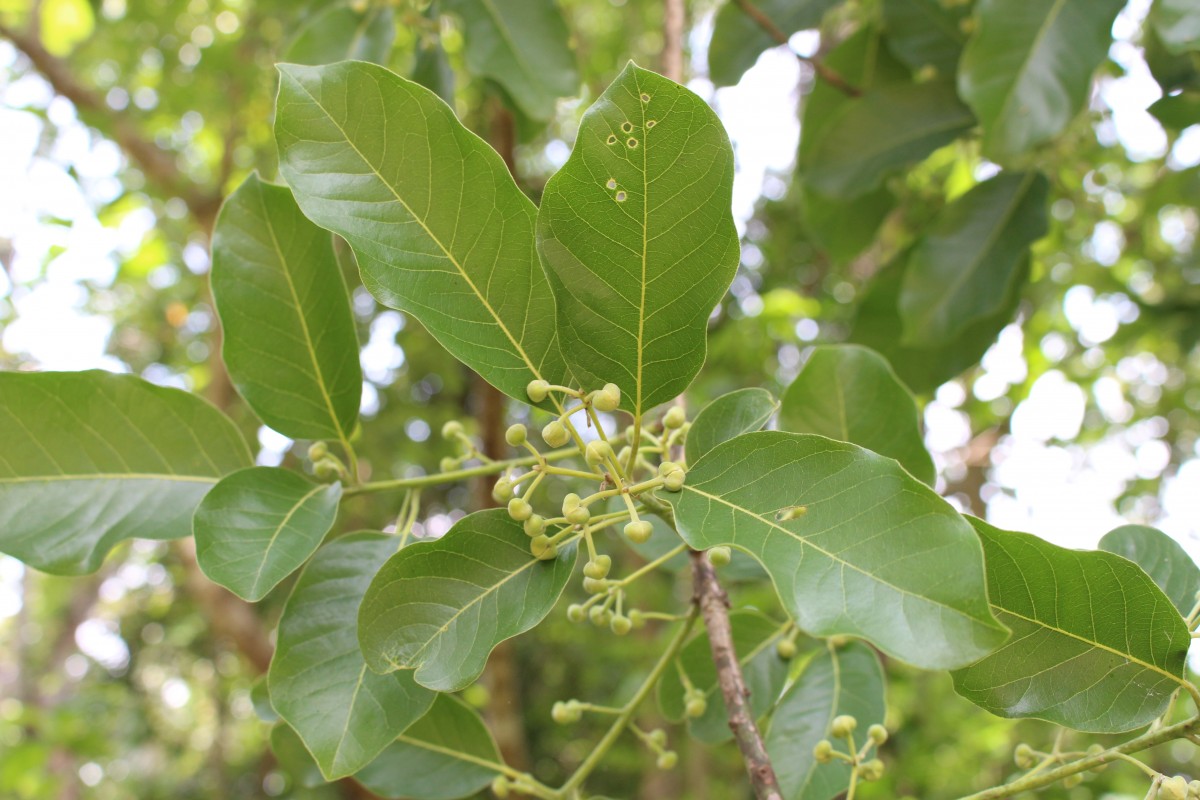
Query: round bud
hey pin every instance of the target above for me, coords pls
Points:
(519, 509)
(823, 751)
(326, 470)
(555, 434)
(1174, 788)
(596, 615)
(667, 759)
(537, 390)
(595, 585)
(535, 525)
(578, 515)
(501, 786)
(596, 452)
(1024, 757)
(657, 737)
(502, 492)
(620, 625)
(637, 618)
(548, 554)
(516, 435)
(872, 770)
(639, 532)
(448, 464)
(598, 567)
(675, 417)
(667, 467)
(538, 544)
(674, 481)
(877, 734)
(575, 613)
(695, 706)
(843, 725)
(719, 556)
(566, 713)
(1071, 781)
(452, 429)
(571, 501)
(318, 451)
(786, 649)
(1194, 789)
(608, 398)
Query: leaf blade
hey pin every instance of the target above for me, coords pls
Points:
(1162, 558)
(737, 412)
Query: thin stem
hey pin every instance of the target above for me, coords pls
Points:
(653, 565)
(533, 786)
(824, 72)
(459, 474)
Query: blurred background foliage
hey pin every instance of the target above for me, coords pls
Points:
(126, 121)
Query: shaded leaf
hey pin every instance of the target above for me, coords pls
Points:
(844, 228)
(1027, 69)
(438, 226)
(851, 394)
(431, 65)
(737, 40)
(341, 33)
(1177, 23)
(966, 265)
(88, 459)
(489, 589)
(728, 416)
(1096, 646)
(289, 341)
(1160, 557)
(848, 680)
(293, 757)
(926, 33)
(638, 238)
(1177, 111)
(853, 543)
(319, 682)
(259, 525)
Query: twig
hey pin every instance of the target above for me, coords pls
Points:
(824, 72)
(673, 27)
(714, 606)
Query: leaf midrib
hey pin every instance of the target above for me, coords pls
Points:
(279, 529)
(1021, 71)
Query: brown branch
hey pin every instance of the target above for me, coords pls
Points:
(824, 72)
(674, 23)
(714, 606)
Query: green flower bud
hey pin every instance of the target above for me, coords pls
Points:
(448, 464)
(637, 618)
(1024, 757)
(538, 390)
(555, 434)
(595, 585)
(657, 737)
(596, 452)
(719, 556)
(1174, 788)
(598, 567)
(674, 481)
(695, 706)
(872, 770)
(620, 625)
(877, 734)
(600, 616)
(843, 725)
(519, 509)
(570, 502)
(823, 752)
(578, 515)
(667, 467)
(667, 759)
(1194, 788)
(607, 399)
(502, 492)
(452, 429)
(548, 554)
(516, 435)
(326, 470)
(566, 713)
(575, 613)
(501, 786)
(538, 544)
(317, 451)
(535, 525)
(785, 649)
(639, 532)
(675, 417)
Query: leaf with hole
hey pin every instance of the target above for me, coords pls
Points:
(730, 415)
(1160, 557)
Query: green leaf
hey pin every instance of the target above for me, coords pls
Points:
(431, 66)
(1160, 557)
(730, 415)
(1172, 71)
(754, 639)
(319, 682)
(259, 525)
(926, 33)
(1177, 111)
(1096, 646)
(844, 228)
(848, 680)
(445, 755)
(638, 238)
(438, 226)
(88, 459)
(341, 33)
(523, 46)
(489, 588)
(737, 40)
(289, 341)
(1027, 68)
(851, 394)
(293, 757)
(967, 264)
(1177, 23)
(874, 553)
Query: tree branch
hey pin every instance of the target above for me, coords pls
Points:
(674, 19)
(714, 606)
(824, 72)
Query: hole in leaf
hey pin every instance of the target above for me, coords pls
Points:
(627, 127)
(621, 196)
(612, 183)
(645, 97)
(612, 138)
(632, 142)
(651, 123)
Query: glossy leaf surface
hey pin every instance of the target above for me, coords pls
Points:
(638, 238)
(88, 459)
(341, 33)
(730, 415)
(1160, 557)
(853, 543)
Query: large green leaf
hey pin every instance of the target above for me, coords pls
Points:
(844, 228)
(438, 226)
(1177, 23)
(637, 235)
(341, 33)
(728, 416)
(319, 682)
(848, 680)
(259, 525)
(850, 393)
(88, 459)
(487, 586)
(754, 640)
(926, 34)
(1096, 646)
(289, 341)
(967, 264)
(1162, 558)
(523, 46)
(445, 755)
(1027, 68)
(737, 40)
(853, 543)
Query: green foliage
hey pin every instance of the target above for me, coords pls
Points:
(1162, 558)
(737, 40)
(730, 415)
(343, 33)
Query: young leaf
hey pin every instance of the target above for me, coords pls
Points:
(1096, 646)
(966, 265)
(1027, 69)
(851, 394)
(1161, 557)
(638, 238)
(88, 459)
(847, 680)
(319, 683)
(738, 40)
(438, 226)
(926, 33)
(341, 33)
(522, 46)
(730, 415)
(488, 589)
(289, 341)
(258, 525)
(445, 755)
(853, 543)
